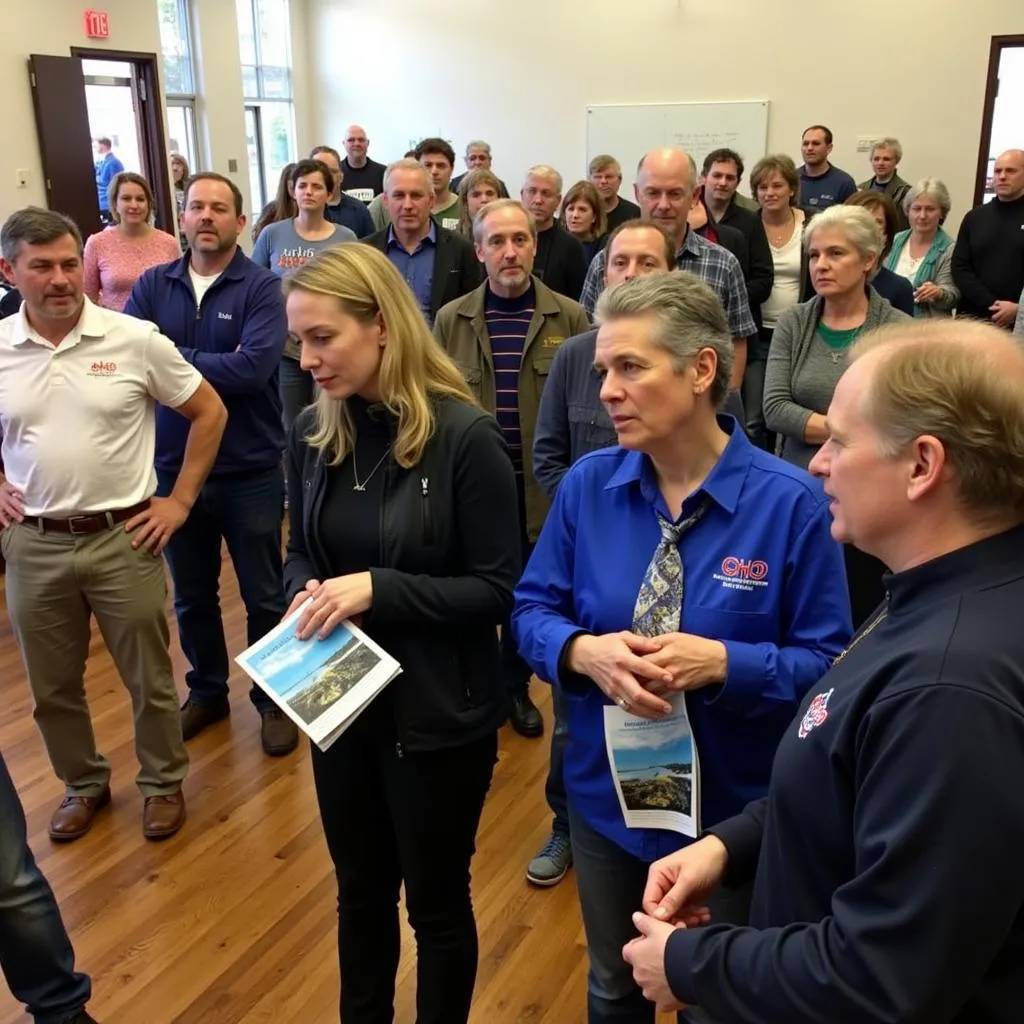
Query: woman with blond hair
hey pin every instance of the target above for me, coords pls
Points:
(476, 190)
(114, 259)
(403, 516)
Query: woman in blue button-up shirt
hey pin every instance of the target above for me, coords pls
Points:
(764, 609)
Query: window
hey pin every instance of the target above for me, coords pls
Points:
(264, 43)
(179, 80)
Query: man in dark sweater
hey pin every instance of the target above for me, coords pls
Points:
(721, 177)
(821, 184)
(227, 317)
(605, 175)
(364, 178)
(988, 259)
(886, 855)
(560, 262)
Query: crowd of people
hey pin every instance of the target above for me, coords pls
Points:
(752, 465)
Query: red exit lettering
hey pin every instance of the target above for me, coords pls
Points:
(97, 24)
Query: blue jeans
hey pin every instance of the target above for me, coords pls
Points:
(295, 385)
(554, 787)
(35, 951)
(611, 885)
(246, 510)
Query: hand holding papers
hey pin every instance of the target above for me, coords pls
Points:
(322, 685)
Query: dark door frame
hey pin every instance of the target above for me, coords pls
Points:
(995, 53)
(151, 119)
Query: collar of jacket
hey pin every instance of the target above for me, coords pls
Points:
(235, 270)
(472, 305)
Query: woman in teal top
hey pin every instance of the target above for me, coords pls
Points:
(924, 253)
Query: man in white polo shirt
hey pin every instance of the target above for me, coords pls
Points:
(82, 532)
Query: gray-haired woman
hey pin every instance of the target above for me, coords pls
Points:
(924, 253)
(688, 500)
(808, 355)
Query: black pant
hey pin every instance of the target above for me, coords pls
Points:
(392, 817)
(515, 672)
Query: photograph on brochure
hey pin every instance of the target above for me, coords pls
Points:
(321, 685)
(655, 768)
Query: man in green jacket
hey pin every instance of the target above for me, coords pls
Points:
(503, 337)
(886, 155)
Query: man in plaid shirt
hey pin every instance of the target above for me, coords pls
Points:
(665, 183)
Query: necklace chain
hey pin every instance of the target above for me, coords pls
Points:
(360, 485)
(860, 636)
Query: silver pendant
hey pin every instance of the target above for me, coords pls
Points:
(836, 356)
(358, 487)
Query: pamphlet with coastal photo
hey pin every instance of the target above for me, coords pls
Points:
(655, 768)
(321, 685)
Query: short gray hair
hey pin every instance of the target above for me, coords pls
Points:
(544, 171)
(933, 188)
(478, 144)
(408, 164)
(35, 226)
(500, 204)
(889, 143)
(688, 317)
(856, 224)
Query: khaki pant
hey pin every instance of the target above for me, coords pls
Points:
(54, 582)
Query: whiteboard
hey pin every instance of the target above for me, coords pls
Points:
(627, 131)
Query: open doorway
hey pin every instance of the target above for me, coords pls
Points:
(1001, 127)
(84, 97)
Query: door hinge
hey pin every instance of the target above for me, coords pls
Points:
(49, 187)
(142, 90)
(32, 78)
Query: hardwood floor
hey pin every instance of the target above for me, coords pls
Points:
(233, 920)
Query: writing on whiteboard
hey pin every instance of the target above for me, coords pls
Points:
(698, 144)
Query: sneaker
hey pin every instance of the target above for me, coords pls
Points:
(195, 717)
(278, 733)
(81, 1018)
(525, 717)
(551, 863)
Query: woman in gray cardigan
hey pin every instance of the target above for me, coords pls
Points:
(808, 354)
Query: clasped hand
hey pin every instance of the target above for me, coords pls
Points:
(336, 599)
(637, 671)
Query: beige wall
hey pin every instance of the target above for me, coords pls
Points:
(52, 27)
(522, 78)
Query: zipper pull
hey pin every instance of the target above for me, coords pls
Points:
(424, 485)
(399, 752)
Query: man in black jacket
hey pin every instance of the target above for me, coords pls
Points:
(721, 177)
(988, 260)
(437, 264)
(886, 856)
(561, 263)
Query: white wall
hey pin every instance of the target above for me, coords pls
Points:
(522, 75)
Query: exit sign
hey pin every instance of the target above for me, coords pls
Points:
(97, 24)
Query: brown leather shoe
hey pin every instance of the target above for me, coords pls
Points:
(162, 816)
(74, 816)
(278, 733)
(195, 717)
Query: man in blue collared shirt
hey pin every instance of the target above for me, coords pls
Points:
(763, 609)
(438, 265)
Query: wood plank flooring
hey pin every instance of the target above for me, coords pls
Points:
(233, 920)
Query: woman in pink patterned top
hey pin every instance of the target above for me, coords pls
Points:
(116, 257)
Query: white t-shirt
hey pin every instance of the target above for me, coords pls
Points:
(786, 289)
(78, 419)
(201, 284)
